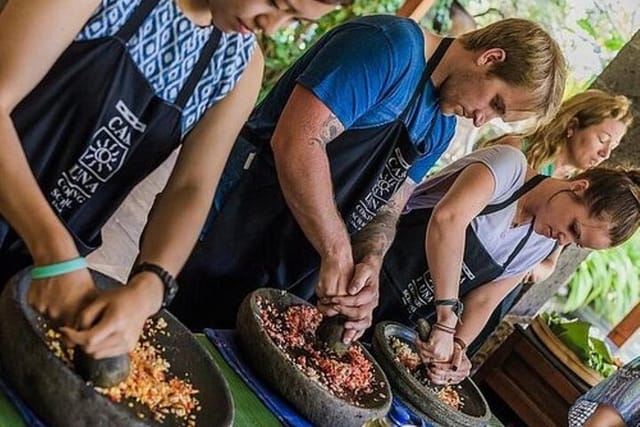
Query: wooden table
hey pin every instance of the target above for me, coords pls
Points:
(531, 381)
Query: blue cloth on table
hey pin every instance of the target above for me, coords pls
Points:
(225, 342)
(25, 412)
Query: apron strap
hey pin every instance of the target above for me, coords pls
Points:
(134, 22)
(527, 186)
(432, 63)
(196, 73)
(518, 248)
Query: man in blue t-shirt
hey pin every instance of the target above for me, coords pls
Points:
(343, 138)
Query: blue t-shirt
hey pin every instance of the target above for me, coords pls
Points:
(366, 71)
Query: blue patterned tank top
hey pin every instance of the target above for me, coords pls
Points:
(167, 47)
(621, 391)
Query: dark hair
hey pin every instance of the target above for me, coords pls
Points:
(614, 196)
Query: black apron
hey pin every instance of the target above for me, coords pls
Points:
(255, 241)
(406, 287)
(92, 129)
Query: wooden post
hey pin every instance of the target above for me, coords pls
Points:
(623, 330)
(415, 9)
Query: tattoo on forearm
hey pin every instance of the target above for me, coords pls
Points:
(376, 237)
(328, 131)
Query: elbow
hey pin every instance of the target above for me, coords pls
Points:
(8, 100)
(444, 218)
(283, 152)
(278, 146)
(5, 106)
(189, 191)
(478, 298)
(480, 303)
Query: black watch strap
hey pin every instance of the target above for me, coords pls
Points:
(456, 305)
(169, 282)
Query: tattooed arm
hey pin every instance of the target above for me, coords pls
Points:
(374, 240)
(305, 127)
(369, 247)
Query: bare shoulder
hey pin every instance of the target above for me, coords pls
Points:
(33, 34)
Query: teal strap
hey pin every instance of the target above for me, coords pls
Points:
(58, 269)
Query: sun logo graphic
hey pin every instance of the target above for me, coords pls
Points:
(105, 156)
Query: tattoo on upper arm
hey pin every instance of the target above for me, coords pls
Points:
(329, 130)
(376, 237)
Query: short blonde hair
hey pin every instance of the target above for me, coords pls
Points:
(533, 60)
(589, 108)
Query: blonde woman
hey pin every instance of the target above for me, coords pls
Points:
(587, 128)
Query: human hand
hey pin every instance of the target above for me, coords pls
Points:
(336, 272)
(62, 297)
(363, 298)
(438, 348)
(449, 373)
(112, 323)
(537, 274)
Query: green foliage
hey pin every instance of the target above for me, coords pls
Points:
(607, 281)
(586, 25)
(575, 334)
(438, 18)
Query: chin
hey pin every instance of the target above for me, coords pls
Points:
(448, 111)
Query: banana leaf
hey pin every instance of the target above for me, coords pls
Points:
(575, 334)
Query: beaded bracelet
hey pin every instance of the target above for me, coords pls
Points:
(58, 268)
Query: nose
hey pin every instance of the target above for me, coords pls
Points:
(479, 118)
(606, 152)
(563, 238)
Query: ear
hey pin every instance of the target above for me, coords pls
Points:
(572, 126)
(579, 185)
(491, 56)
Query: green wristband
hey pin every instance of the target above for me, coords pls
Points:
(58, 269)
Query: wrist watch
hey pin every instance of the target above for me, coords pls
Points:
(169, 282)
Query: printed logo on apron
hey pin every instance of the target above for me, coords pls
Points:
(100, 161)
(419, 291)
(406, 281)
(391, 178)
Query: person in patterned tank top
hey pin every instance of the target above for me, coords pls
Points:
(94, 95)
(614, 402)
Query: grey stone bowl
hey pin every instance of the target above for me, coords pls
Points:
(311, 399)
(61, 398)
(474, 413)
